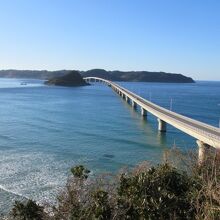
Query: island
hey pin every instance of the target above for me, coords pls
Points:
(126, 76)
(73, 78)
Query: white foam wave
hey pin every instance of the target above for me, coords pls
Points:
(12, 192)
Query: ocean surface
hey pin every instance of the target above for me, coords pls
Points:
(45, 130)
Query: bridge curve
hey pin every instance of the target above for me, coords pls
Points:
(206, 135)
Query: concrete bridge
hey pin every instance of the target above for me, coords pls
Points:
(206, 135)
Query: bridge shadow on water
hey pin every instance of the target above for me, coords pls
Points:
(161, 140)
(147, 125)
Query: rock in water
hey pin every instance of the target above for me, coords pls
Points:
(71, 79)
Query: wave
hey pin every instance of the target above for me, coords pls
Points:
(12, 192)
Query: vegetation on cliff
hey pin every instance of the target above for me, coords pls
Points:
(147, 192)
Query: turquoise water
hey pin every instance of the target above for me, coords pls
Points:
(46, 130)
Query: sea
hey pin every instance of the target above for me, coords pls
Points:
(45, 130)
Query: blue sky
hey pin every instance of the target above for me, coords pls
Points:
(181, 36)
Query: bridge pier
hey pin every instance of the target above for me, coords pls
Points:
(143, 112)
(202, 151)
(162, 125)
(133, 104)
(126, 98)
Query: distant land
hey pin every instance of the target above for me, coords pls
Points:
(138, 76)
(73, 78)
(129, 76)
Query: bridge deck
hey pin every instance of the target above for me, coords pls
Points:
(206, 133)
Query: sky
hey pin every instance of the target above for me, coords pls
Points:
(177, 36)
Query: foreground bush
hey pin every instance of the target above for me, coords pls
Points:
(28, 210)
(158, 192)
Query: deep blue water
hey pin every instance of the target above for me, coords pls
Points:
(46, 130)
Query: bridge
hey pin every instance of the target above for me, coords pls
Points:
(206, 135)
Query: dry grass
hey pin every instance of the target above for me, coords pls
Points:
(208, 175)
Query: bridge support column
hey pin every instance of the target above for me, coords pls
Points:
(143, 112)
(202, 151)
(126, 98)
(162, 125)
(134, 104)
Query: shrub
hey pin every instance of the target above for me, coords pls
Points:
(100, 205)
(80, 172)
(161, 192)
(28, 210)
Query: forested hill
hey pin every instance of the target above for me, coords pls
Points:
(130, 76)
(138, 76)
